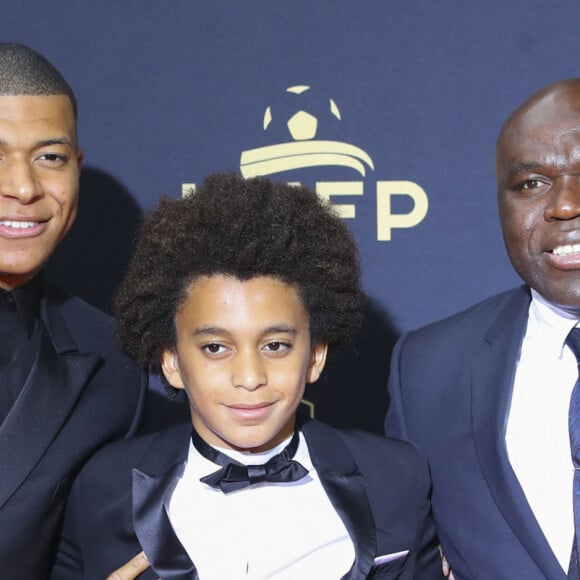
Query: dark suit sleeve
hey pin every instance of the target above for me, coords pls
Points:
(395, 420)
(69, 557)
(136, 425)
(398, 486)
(98, 535)
(413, 490)
(427, 566)
(427, 558)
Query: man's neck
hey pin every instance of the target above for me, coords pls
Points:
(572, 312)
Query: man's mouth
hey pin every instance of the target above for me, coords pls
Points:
(567, 250)
(18, 225)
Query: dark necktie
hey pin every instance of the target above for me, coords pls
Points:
(573, 341)
(234, 475)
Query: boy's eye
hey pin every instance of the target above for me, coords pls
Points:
(214, 348)
(277, 346)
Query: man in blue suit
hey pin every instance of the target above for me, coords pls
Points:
(65, 388)
(486, 393)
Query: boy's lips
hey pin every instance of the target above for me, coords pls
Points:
(251, 411)
(249, 405)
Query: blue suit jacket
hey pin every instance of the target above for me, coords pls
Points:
(80, 394)
(379, 487)
(450, 388)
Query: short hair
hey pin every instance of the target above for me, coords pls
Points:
(24, 71)
(242, 229)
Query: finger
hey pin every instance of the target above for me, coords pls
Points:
(444, 566)
(451, 577)
(132, 569)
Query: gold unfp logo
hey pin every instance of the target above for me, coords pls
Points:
(305, 150)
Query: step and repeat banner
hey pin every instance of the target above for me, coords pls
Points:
(388, 108)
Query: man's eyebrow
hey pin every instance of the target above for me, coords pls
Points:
(47, 142)
(523, 166)
(56, 141)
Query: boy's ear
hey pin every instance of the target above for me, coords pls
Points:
(317, 362)
(170, 368)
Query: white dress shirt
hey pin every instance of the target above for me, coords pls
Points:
(537, 436)
(268, 530)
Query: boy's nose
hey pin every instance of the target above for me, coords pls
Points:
(249, 371)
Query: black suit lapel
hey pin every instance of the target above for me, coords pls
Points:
(346, 490)
(493, 374)
(162, 464)
(164, 550)
(46, 400)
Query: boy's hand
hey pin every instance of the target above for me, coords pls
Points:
(447, 572)
(132, 569)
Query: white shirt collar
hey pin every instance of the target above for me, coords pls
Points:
(549, 323)
(256, 458)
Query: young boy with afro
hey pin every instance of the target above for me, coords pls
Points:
(235, 295)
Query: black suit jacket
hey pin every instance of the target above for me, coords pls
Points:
(80, 394)
(450, 387)
(379, 487)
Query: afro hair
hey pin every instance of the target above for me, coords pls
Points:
(244, 229)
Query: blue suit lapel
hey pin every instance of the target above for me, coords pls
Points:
(53, 386)
(162, 464)
(346, 490)
(492, 383)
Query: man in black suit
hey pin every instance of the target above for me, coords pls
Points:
(65, 389)
(486, 394)
(234, 296)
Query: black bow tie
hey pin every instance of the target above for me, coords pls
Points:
(234, 475)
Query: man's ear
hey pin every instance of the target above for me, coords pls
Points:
(317, 362)
(170, 368)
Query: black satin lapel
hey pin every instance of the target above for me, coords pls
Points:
(163, 549)
(48, 396)
(348, 496)
(493, 374)
(346, 490)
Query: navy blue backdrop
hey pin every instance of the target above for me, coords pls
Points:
(388, 107)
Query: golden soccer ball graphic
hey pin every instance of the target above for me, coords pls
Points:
(303, 124)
